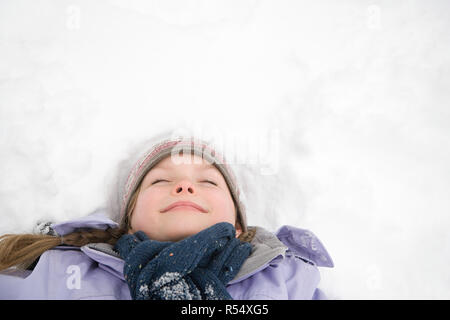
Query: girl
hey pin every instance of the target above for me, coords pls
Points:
(178, 231)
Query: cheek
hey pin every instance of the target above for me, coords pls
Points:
(149, 200)
(223, 207)
(147, 204)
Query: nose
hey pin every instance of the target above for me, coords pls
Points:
(184, 186)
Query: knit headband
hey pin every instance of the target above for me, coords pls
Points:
(174, 146)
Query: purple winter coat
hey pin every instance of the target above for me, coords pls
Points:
(283, 265)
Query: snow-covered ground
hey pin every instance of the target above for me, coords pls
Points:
(340, 111)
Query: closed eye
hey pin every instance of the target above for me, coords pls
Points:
(156, 181)
(208, 181)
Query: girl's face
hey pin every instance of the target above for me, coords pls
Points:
(197, 181)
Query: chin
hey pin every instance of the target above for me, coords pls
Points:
(184, 230)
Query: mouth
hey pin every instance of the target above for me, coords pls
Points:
(184, 205)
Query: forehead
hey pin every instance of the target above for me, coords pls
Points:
(192, 163)
(190, 160)
(196, 164)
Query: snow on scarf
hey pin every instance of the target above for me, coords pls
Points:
(195, 268)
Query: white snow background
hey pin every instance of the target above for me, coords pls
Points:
(355, 95)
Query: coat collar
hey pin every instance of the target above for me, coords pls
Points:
(266, 246)
(304, 244)
(98, 219)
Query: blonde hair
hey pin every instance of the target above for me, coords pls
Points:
(22, 250)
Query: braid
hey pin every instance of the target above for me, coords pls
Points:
(22, 250)
(85, 236)
(248, 235)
